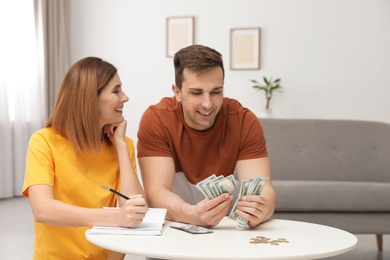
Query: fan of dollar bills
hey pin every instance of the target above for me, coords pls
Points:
(214, 186)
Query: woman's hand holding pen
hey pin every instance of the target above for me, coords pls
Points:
(133, 211)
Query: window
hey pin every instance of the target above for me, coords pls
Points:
(18, 63)
(21, 98)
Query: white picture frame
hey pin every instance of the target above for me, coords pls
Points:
(245, 48)
(179, 33)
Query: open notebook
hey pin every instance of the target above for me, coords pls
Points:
(152, 224)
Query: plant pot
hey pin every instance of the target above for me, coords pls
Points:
(266, 113)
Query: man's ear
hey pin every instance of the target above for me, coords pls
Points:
(177, 92)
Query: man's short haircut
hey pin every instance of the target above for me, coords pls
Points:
(197, 58)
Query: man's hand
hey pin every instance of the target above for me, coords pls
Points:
(256, 208)
(210, 212)
(253, 208)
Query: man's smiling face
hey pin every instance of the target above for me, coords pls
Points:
(201, 97)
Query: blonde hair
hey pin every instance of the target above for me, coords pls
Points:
(75, 114)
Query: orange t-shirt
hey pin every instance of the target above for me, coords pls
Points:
(236, 135)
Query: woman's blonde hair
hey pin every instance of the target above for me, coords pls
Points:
(75, 114)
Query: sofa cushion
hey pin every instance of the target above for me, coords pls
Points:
(331, 196)
(328, 150)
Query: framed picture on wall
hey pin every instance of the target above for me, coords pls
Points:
(179, 33)
(245, 49)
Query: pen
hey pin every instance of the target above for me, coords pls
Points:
(116, 192)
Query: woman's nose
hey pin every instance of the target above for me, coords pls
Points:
(125, 98)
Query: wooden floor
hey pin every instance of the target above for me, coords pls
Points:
(17, 235)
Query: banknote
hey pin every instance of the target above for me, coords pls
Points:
(248, 187)
(226, 185)
(202, 186)
(214, 186)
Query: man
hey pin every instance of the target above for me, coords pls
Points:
(186, 138)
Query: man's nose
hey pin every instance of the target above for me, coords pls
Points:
(206, 102)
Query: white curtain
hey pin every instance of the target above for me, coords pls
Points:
(25, 82)
(20, 93)
(52, 38)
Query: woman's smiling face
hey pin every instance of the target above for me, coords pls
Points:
(110, 103)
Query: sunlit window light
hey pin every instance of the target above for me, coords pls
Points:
(18, 62)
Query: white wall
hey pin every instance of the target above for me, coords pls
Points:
(333, 56)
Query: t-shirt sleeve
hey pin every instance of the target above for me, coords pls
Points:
(253, 144)
(39, 163)
(152, 137)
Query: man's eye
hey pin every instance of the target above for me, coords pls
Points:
(216, 92)
(196, 93)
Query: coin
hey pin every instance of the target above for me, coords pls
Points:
(267, 240)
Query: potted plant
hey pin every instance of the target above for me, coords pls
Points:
(268, 88)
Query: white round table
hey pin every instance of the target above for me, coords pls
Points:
(306, 241)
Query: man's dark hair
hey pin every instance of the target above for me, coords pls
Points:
(197, 58)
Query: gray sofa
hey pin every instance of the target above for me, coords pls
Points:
(331, 172)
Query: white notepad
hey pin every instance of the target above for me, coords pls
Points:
(152, 224)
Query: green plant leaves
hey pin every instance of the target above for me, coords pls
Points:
(268, 88)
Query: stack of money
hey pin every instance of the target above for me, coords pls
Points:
(214, 186)
(248, 187)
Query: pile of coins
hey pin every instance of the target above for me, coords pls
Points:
(267, 240)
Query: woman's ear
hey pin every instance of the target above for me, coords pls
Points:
(177, 92)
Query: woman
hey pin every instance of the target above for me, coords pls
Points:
(82, 147)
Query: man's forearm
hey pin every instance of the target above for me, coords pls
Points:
(270, 195)
(177, 209)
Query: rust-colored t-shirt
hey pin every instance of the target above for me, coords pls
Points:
(236, 135)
